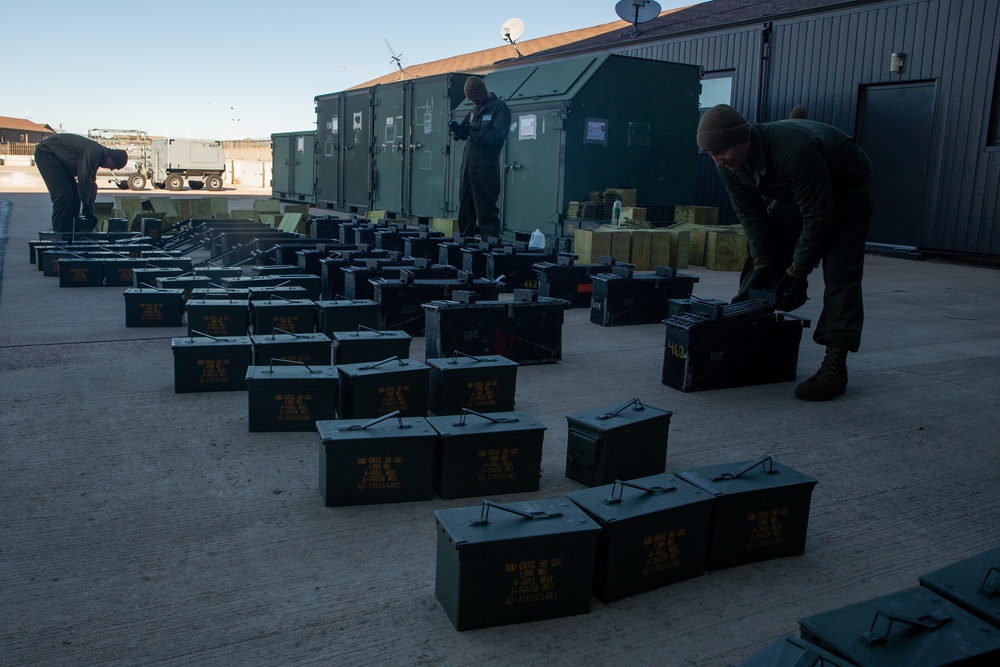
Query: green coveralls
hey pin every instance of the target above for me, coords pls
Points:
(68, 164)
(828, 177)
(479, 186)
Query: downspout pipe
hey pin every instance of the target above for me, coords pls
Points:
(762, 71)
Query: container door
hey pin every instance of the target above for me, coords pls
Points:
(281, 166)
(504, 84)
(328, 151)
(532, 174)
(431, 102)
(391, 137)
(357, 151)
(304, 161)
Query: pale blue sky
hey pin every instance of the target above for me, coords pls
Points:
(246, 68)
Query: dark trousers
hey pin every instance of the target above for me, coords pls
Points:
(61, 185)
(843, 315)
(478, 194)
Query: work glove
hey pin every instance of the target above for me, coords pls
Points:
(89, 219)
(459, 130)
(790, 292)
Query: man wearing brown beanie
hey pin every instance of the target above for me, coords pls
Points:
(823, 172)
(485, 130)
(68, 164)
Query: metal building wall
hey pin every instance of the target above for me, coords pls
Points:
(825, 60)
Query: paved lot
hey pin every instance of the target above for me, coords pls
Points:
(139, 526)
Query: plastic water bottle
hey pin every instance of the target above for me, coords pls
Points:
(537, 241)
(616, 215)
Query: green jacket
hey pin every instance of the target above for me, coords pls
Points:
(490, 125)
(80, 156)
(810, 164)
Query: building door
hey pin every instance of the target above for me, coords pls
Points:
(894, 129)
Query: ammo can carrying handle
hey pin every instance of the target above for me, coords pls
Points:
(361, 326)
(153, 287)
(379, 363)
(361, 427)
(620, 485)
(760, 461)
(454, 358)
(278, 296)
(495, 420)
(925, 623)
(270, 368)
(991, 588)
(294, 335)
(616, 412)
(484, 514)
(191, 337)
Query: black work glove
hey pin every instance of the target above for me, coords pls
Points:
(790, 292)
(459, 130)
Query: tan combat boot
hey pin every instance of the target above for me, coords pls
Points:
(830, 380)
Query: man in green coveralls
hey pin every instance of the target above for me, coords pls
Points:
(68, 164)
(485, 130)
(824, 173)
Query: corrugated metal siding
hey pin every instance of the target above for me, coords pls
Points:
(824, 59)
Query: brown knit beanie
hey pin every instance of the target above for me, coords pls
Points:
(475, 88)
(798, 111)
(721, 127)
(119, 158)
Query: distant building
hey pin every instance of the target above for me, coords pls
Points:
(22, 131)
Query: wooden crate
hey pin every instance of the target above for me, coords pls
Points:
(633, 213)
(626, 195)
(591, 244)
(680, 246)
(642, 250)
(695, 241)
(220, 206)
(699, 215)
(660, 241)
(446, 226)
(725, 250)
(621, 245)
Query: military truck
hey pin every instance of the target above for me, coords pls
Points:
(166, 163)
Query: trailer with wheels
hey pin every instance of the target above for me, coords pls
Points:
(196, 162)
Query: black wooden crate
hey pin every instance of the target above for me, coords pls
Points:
(738, 345)
(527, 329)
(624, 297)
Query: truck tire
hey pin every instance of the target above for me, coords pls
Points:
(137, 181)
(195, 185)
(214, 182)
(174, 182)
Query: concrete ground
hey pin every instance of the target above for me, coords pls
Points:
(139, 526)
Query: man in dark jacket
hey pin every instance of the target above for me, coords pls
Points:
(68, 164)
(824, 173)
(485, 130)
